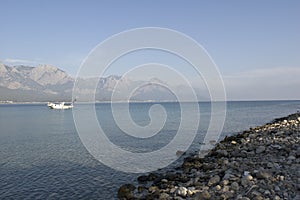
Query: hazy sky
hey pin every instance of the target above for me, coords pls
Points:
(256, 44)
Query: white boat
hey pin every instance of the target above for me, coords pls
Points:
(60, 106)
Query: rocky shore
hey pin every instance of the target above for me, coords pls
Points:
(261, 163)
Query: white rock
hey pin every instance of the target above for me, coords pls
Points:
(281, 178)
(218, 187)
(246, 173)
(182, 191)
(164, 180)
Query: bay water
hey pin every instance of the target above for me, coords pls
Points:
(42, 156)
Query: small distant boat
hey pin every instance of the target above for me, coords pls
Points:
(60, 105)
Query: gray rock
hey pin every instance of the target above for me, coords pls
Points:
(260, 149)
(222, 152)
(203, 195)
(152, 189)
(164, 196)
(214, 180)
(263, 174)
(173, 190)
(235, 186)
(126, 191)
(291, 158)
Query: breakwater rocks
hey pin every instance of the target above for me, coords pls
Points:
(260, 163)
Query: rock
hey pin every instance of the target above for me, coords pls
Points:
(233, 142)
(246, 173)
(225, 182)
(260, 149)
(203, 195)
(226, 188)
(152, 176)
(142, 179)
(291, 158)
(214, 180)
(164, 180)
(277, 198)
(227, 176)
(152, 189)
(126, 191)
(249, 177)
(164, 196)
(267, 192)
(281, 178)
(141, 189)
(173, 190)
(263, 174)
(270, 165)
(235, 186)
(277, 188)
(182, 191)
(227, 195)
(218, 187)
(246, 180)
(222, 153)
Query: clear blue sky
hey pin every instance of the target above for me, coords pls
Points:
(239, 35)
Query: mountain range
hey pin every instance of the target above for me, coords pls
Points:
(49, 83)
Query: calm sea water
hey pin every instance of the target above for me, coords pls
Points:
(42, 157)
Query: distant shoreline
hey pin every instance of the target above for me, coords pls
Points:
(150, 101)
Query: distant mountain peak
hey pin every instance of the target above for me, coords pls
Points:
(3, 68)
(47, 67)
(49, 75)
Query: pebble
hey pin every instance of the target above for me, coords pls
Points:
(225, 182)
(281, 178)
(262, 174)
(152, 189)
(181, 191)
(260, 149)
(203, 195)
(164, 180)
(214, 180)
(218, 187)
(164, 196)
(126, 191)
(235, 186)
(291, 158)
(277, 198)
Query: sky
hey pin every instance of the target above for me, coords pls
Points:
(255, 44)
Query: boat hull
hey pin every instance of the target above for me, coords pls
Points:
(60, 106)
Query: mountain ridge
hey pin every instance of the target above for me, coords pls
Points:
(43, 83)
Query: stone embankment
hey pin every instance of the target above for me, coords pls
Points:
(261, 163)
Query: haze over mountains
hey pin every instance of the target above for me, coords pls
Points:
(48, 83)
